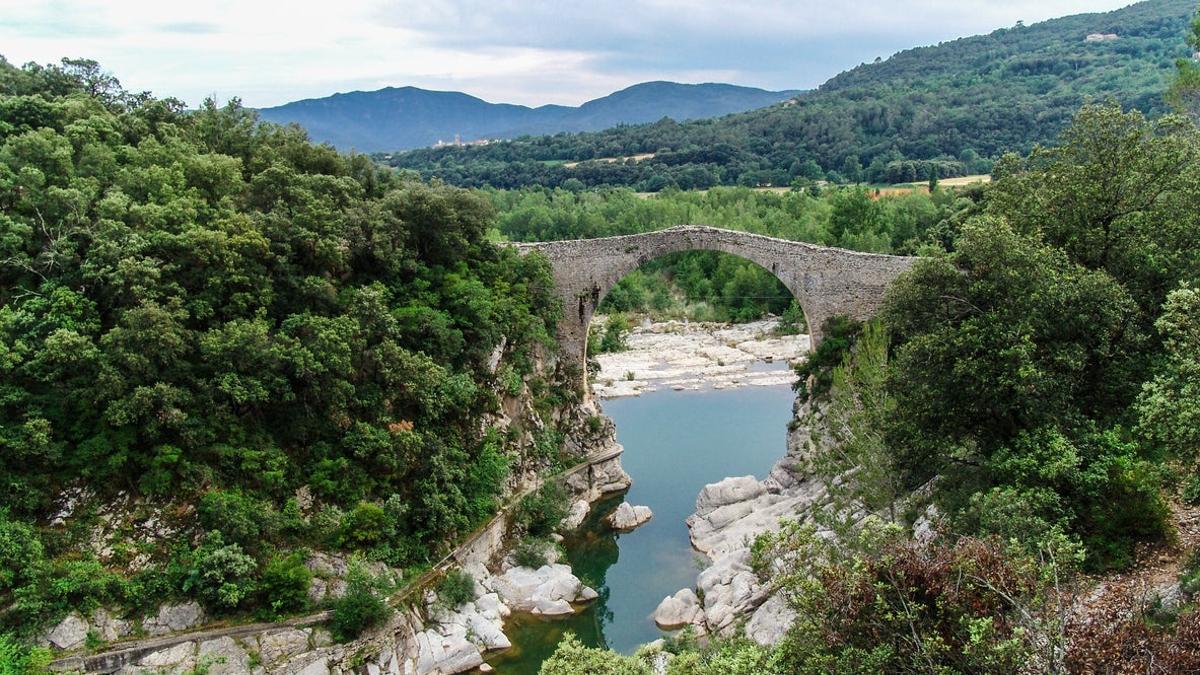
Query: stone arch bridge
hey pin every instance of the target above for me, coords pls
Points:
(825, 281)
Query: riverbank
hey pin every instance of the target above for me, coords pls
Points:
(684, 355)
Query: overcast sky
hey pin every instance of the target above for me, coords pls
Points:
(564, 52)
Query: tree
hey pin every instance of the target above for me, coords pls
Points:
(1169, 405)
(858, 465)
(1184, 94)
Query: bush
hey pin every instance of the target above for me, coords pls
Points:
(365, 525)
(540, 512)
(18, 659)
(456, 588)
(531, 553)
(283, 588)
(221, 575)
(360, 608)
(614, 334)
(240, 518)
(839, 334)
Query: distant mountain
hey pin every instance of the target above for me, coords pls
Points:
(948, 108)
(399, 118)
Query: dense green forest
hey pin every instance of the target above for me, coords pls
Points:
(207, 313)
(948, 109)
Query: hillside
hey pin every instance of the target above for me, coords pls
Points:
(961, 103)
(398, 118)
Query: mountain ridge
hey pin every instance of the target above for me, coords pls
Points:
(405, 117)
(948, 108)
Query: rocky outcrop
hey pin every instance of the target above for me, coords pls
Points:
(627, 517)
(174, 618)
(729, 515)
(549, 590)
(576, 515)
(679, 610)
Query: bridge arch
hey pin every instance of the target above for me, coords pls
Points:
(825, 281)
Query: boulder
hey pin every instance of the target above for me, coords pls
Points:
(223, 656)
(108, 627)
(679, 610)
(547, 591)
(728, 491)
(70, 633)
(175, 618)
(770, 622)
(575, 517)
(282, 644)
(628, 517)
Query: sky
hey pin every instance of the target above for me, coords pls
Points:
(564, 52)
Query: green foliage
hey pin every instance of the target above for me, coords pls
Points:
(201, 308)
(539, 512)
(838, 335)
(876, 602)
(792, 321)
(858, 465)
(19, 659)
(283, 585)
(456, 588)
(571, 658)
(530, 552)
(221, 575)
(239, 517)
(614, 334)
(361, 607)
(1169, 404)
(997, 383)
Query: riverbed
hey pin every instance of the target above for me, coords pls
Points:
(676, 441)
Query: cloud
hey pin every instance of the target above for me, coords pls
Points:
(502, 50)
(190, 27)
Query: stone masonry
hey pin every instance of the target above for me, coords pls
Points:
(825, 281)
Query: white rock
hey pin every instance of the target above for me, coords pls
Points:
(679, 610)
(180, 654)
(548, 590)
(278, 645)
(575, 517)
(70, 633)
(727, 491)
(770, 622)
(628, 517)
(175, 618)
(223, 656)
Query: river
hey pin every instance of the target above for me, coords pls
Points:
(675, 443)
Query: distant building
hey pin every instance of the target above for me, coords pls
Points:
(1100, 37)
(458, 142)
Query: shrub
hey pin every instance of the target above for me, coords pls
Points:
(20, 552)
(19, 659)
(364, 525)
(540, 512)
(456, 588)
(221, 575)
(240, 518)
(530, 552)
(614, 334)
(839, 334)
(360, 608)
(283, 588)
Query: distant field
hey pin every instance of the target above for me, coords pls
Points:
(612, 160)
(876, 190)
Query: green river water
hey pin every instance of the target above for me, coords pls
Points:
(675, 443)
